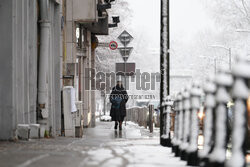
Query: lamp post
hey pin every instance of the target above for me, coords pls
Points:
(229, 53)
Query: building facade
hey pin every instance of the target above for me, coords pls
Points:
(44, 46)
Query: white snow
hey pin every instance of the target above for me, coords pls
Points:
(208, 124)
(240, 89)
(224, 79)
(219, 152)
(210, 103)
(210, 87)
(241, 68)
(194, 131)
(222, 96)
(196, 92)
(241, 93)
(238, 134)
(184, 145)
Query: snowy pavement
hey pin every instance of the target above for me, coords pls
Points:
(100, 147)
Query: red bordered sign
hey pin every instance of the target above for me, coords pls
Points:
(113, 45)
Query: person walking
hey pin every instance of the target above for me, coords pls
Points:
(118, 98)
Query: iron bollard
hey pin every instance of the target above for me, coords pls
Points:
(135, 114)
(145, 112)
(163, 136)
(169, 104)
(240, 93)
(210, 102)
(192, 157)
(129, 114)
(186, 124)
(167, 121)
(140, 116)
(180, 123)
(176, 128)
(218, 155)
(150, 117)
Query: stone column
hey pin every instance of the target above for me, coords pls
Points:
(210, 102)
(192, 150)
(186, 124)
(218, 155)
(180, 123)
(176, 124)
(240, 94)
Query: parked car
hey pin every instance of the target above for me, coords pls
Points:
(105, 118)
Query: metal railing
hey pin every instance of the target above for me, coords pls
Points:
(202, 137)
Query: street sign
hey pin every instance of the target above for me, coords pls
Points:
(113, 45)
(130, 69)
(125, 51)
(125, 38)
(125, 58)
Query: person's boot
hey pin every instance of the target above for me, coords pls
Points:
(120, 126)
(116, 124)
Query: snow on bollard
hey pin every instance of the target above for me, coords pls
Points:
(163, 137)
(192, 158)
(218, 155)
(180, 124)
(167, 121)
(210, 102)
(186, 124)
(176, 128)
(240, 93)
(169, 104)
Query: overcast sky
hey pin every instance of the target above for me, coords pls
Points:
(146, 19)
(188, 17)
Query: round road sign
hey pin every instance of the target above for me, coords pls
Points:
(113, 45)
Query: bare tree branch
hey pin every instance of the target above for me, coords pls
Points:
(244, 11)
(244, 7)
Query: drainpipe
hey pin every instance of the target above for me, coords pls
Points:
(43, 58)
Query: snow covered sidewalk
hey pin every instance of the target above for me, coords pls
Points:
(133, 147)
(100, 147)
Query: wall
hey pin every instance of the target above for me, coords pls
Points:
(84, 11)
(6, 81)
(86, 61)
(86, 94)
(18, 65)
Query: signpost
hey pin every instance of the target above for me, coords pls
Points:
(130, 69)
(125, 38)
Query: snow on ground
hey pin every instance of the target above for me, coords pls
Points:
(101, 146)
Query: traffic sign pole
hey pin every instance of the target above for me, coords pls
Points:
(125, 51)
(125, 84)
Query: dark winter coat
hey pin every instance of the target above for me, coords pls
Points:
(118, 98)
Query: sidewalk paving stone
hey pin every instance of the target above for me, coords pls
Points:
(101, 146)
